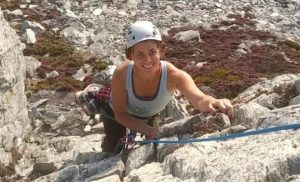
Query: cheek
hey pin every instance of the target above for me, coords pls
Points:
(158, 56)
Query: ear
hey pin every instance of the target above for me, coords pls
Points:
(128, 53)
(162, 49)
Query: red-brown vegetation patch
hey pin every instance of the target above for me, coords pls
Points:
(10, 5)
(32, 14)
(209, 125)
(227, 72)
(40, 15)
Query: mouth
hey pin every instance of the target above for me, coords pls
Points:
(148, 66)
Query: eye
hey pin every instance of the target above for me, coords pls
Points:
(153, 52)
(140, 55)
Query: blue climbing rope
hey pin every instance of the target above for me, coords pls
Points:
(225, 137)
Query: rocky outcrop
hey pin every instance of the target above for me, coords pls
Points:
(65, 144)
(271, 157)
(266, 157)
(14, 122)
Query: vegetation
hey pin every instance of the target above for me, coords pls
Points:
(57, 84)
(227, 72)
(57, 54)
(292, 44)
(11, 5)
(51, 45)
(100, 65)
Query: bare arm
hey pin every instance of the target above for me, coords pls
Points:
(205, 103)
(186, 85)
(119, 102)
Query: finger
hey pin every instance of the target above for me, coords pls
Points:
(155, 131)
(221, 106)
(211, 108)
(229, 108)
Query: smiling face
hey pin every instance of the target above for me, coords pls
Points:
(146, 55)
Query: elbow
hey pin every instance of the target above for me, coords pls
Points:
(119, 117)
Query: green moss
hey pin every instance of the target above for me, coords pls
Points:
(206, 80)
(219, 73)
(18, 27)
(59, 49)
(49, 45)
(39, 86)
(68, 83)
(230, 94)
(212, 77)
(198, 79)
(100, 65)
(74, 61)
(233, 78)
(292, 44)
(57, 84)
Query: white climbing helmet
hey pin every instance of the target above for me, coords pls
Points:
(140, 31)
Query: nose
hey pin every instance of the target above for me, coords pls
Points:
(147, 58)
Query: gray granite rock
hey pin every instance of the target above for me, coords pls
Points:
(14, 121)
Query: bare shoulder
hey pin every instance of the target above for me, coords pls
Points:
(174, 72)
(175, 76)
(120, 70)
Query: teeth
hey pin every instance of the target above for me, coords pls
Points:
(147, 66)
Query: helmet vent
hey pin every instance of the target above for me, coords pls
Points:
(140, 31)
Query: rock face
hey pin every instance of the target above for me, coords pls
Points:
(64, 144)
(272, 157)
(265, 157)
(14, 120)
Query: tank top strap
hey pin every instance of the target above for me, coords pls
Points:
(164, 76)
(129, 76)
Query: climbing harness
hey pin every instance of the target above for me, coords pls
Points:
(225, 137)
(129, 140)
(126, 143)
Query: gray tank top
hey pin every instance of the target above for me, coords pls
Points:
(145, 107)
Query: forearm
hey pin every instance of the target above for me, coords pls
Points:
(133, 123)
(203, 103)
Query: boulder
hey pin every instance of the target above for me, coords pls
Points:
(14, 122)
